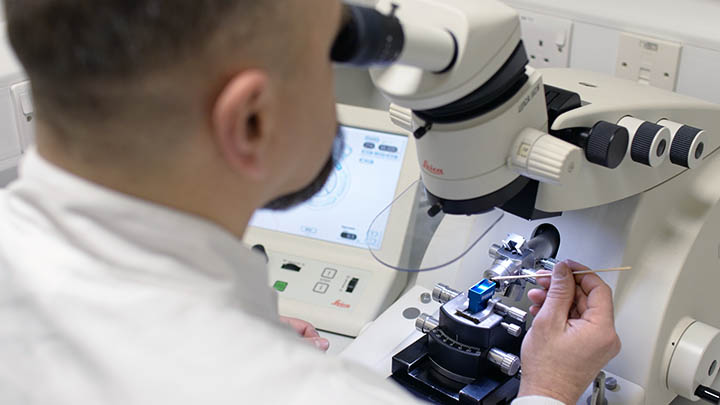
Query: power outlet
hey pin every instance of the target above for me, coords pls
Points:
(648, 61)
(547, 39)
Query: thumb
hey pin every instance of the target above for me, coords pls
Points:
(560, 296)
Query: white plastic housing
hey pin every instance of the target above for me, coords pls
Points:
(610, 99)
(470, 159)
(432, 49)
(695, 360)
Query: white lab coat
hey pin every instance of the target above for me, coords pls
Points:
(108, 299)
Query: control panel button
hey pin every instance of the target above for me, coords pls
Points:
(280, 285)
(329, 273)
(348, 236)
(351, 285)
(387, 148)
(291, 267)
(321, 288)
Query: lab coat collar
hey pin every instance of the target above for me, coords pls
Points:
(157, 241)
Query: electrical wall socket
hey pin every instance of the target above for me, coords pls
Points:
(648, 61)
(547, 39)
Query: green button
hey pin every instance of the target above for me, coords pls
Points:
(280, 285)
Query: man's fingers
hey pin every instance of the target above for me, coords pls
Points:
(537, 296)
(559, 298)
(321, 344)
(543, 282)
(534, 309)
(304, 329)
(575, 266)
(598, 305)
(580, 301)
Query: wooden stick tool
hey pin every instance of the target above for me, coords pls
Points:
(575, 273)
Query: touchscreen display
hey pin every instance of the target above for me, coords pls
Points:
(362, 185)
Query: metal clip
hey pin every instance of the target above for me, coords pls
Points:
(598, 394)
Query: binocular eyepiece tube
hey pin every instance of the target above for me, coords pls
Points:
(369, 38)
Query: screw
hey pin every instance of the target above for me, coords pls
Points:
(611, 383)
(425, 298)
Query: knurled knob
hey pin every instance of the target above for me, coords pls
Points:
(508, 363)
(512, 329)
(517, 314)
(543, 157)
(650, 142)
(688, 147)
(607, 144)
(426, 323)
(552, 160)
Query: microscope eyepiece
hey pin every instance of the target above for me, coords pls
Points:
(368, 38)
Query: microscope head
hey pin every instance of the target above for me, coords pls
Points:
(456, 73)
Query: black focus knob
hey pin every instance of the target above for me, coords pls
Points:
(606, 144)
(708, 394)
(688, 147)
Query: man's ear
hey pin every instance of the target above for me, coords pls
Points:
(240, 123)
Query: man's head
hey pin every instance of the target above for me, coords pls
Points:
(225, 102)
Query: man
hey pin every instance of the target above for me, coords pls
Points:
(162, 127)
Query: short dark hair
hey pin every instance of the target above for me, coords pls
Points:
(83, 57)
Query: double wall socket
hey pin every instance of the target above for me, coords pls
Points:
(547, 39)
(648, 61)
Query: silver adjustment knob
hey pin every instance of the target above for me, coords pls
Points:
(508, 363)
(426, 323)
(548, 264)
(531, 274)
(494, 251)
(512, 329)
(514, 313)
(442, 293)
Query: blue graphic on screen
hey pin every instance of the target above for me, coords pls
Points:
(362, 185)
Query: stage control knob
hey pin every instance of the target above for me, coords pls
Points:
(506, 310)
(650, 143)
(606, 144)
(443, 294)
(543, 157)
(508, 363)
(426, 323)
(512, 329)
(689, 144)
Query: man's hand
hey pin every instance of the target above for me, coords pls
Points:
(308, 332)
(573, 336)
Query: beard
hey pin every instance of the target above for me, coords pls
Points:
(306, 193)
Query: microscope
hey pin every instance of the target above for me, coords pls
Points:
(586, 166)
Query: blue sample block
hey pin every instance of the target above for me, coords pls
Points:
(480, 294)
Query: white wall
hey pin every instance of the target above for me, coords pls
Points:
(598, 25)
